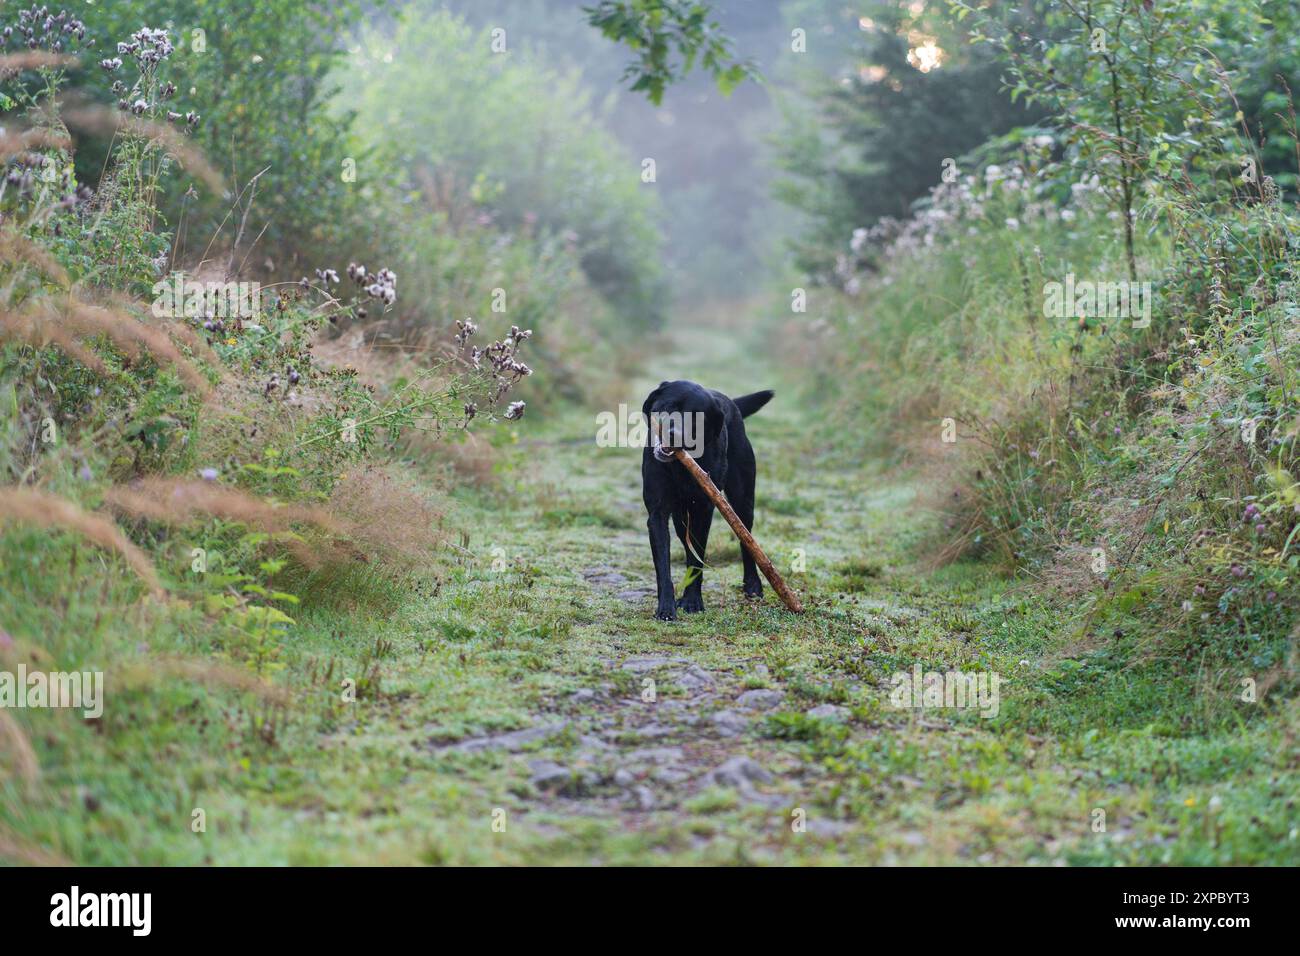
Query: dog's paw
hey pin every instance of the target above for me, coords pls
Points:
(668, 613)
(753, 589)
(691, 603)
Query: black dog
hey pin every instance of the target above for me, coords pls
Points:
(711, 427)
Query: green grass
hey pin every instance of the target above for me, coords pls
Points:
(477, 652)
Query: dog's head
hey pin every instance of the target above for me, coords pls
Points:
(681, 415)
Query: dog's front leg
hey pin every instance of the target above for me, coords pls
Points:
(660, 551)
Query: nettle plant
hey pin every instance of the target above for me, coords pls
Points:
(356, 418)
(130, 196)
(1135, 104)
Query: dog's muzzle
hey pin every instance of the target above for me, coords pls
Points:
(661, 453)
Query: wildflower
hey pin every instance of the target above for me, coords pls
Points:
(464, 331)
(470, 411)
(84, 473)
(109, 64)
(208, 474)
(515, 410)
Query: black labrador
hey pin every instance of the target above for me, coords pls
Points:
(711, 428)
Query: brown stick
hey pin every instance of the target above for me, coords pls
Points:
(747, 539)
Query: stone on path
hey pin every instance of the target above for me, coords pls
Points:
(729, 723)
(694, 679)
(640, 665)
(740, 773)
(547, 774)
(828, 712)
(759, 699)
(511, 740)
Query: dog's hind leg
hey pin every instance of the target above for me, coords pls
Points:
(693, 531)
(743, 504)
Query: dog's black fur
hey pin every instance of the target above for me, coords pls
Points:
(670, 491)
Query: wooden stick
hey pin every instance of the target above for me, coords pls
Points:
(738, 526)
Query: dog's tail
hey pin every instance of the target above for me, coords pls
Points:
(749, 404)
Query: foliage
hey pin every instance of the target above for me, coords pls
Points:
(669, 38)
(506, 142)
(865, 142)
(1141, 472)
(262, 75)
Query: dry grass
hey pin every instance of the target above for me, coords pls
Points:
(471, 457)
(388, 517)
(62, 325)
(131, 336)
(16, 248)
(34, 60)
(196, 671)
(176, 502)
(29, 506)
(372, 513)
(40, 333)
(15, 744)
(25, 141)
(17, 850)
(178, 330)
(375, 363)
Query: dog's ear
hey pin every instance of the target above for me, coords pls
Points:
(650, 400)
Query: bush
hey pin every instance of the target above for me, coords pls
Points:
(1143, 472)
(497, 139)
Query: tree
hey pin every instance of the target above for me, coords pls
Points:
(669, 37)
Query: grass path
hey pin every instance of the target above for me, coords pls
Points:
(535, 712)
(525, 707)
